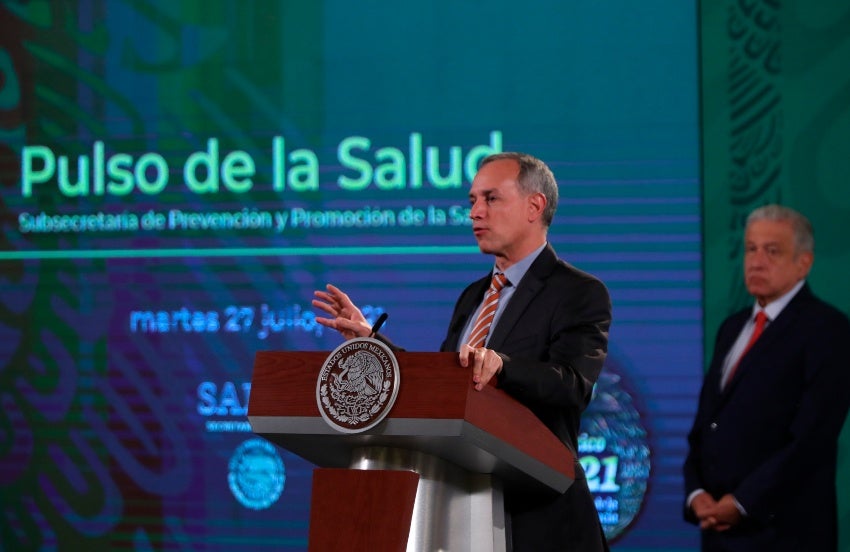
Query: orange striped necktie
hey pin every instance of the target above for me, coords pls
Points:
(478, 335)
(761, 321)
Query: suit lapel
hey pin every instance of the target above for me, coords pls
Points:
(532, 283)
(777, 327)
(724, 344)
(767, 340)
(464, 311)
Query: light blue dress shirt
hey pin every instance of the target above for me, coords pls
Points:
(514, 273)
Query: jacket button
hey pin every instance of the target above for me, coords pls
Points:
(713, 426)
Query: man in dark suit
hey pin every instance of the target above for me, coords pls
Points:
(543, 336)
(760, 472)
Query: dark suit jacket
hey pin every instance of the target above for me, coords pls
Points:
(553, 338)
(770, 437)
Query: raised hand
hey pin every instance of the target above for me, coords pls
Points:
(345, 316)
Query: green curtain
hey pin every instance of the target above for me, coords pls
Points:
(775, 121)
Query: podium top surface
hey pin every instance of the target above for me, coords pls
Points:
(437, 411)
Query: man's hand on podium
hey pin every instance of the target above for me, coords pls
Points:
(485, 364)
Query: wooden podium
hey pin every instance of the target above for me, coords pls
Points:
(429, 476)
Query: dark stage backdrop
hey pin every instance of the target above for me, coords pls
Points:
(176, 178)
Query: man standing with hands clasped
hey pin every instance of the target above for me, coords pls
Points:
(535, 323)
(760, 472)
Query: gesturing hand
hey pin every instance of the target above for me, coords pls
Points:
(346, 318)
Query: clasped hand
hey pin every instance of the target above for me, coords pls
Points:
(715, 515)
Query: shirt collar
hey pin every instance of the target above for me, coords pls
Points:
(516, 271)
(773, 308)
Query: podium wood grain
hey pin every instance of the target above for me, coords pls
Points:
(437, 410)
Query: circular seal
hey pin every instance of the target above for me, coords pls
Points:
(614, 451)
(357, 385)
(256, 474)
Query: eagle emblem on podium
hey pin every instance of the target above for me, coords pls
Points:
(357, 385)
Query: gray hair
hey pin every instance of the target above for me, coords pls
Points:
(534, 177)
(804, 236)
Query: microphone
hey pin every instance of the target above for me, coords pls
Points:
(378, 323)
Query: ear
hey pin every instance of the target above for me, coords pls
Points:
(805, 260)
(536, 205)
